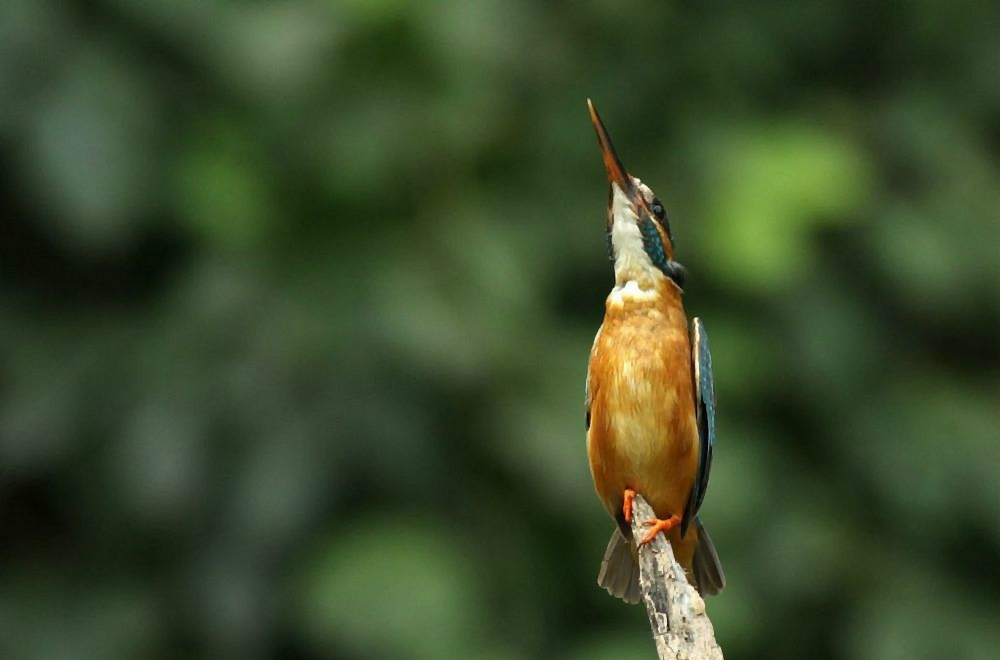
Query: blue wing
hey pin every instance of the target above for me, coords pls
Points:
(704, 401)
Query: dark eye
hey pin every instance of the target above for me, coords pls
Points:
(658, 209)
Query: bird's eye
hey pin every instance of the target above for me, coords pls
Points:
(658, 209)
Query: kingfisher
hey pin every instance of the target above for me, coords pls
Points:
(650, 400)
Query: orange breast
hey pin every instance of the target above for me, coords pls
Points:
(643, 434)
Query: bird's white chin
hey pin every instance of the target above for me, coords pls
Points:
(632, 263)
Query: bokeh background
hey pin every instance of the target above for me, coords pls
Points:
(297, 299)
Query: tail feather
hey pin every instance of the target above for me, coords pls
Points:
(619, 572)
(633, 593)
(708, 575)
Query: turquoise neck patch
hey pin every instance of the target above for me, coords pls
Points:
(653, 243)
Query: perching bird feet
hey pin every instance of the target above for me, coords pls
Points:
(627, 507)
(659, 526)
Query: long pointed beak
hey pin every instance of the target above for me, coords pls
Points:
(613, 166)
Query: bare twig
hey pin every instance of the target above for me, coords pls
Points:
(681, 628)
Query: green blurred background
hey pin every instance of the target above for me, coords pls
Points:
(297, 299)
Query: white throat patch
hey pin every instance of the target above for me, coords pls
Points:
(632, 264)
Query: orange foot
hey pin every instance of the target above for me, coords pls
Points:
(627, 508)
(659, 526)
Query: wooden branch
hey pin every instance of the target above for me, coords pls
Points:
(681, 628)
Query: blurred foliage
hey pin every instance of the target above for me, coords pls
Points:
(298, 297)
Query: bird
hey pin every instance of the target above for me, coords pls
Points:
(650, 398)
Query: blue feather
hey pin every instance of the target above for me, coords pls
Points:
(705, 413)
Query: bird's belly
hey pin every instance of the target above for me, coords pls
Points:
(643, 433)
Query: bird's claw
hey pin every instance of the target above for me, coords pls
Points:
(627, 507)
(659, 526)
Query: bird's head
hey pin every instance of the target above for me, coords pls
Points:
(639, 238)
